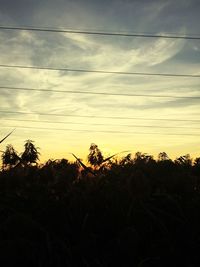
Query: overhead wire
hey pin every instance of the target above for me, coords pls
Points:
(101, 124)
(99, 71)
(95, 93)
(103, 33)
(100, 131)
(98, 117)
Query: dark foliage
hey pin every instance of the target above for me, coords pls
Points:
(95, 156)
(10, 157)
(30, 154)
(133, 212)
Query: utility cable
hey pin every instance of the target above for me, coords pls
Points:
(100, 71)
(101, 124)
(98, 117)
(120, 34)
(95, 93)
(99, 131)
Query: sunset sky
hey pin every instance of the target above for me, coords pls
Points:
(147, 123)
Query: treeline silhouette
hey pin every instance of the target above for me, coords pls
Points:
(132, 211)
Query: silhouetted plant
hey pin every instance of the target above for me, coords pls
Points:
(197, 162)
(184, 160)
(95, 156)
(10, 157)
(126, 160)
(31, 153)
(141, 158)
(139, 212)
(6, 136)
(162, 156)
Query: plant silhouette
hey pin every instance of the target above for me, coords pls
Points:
(95, 157)
(10, 157)
(137, 211)
(31, 153)
(6, 136)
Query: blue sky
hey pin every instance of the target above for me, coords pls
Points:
(127, 54)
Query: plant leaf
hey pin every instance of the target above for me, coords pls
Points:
(83, 165)
(114, 155)
(6, 136)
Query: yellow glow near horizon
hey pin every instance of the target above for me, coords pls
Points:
(61, 145)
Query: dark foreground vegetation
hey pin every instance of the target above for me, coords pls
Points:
(135, 211)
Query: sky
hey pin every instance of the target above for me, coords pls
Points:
(73, 121)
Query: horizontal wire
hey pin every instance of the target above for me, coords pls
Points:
(102, 93)
(102, 124)
(99, 131)
(59, 30)
(99, 71)
(96, 93)
(97, 117)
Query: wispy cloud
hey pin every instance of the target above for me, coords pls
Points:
(104, 53)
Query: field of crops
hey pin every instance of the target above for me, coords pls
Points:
(135, 211)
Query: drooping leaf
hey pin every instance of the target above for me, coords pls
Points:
(6, 136)
(83, 165)
(110, 157)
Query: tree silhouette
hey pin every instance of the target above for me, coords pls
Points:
(30, 154)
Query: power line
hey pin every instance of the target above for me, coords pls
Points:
(100, 71)
(95, 93)
(100, 131)
(96, 117)
(59, 30)
(102, 124)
